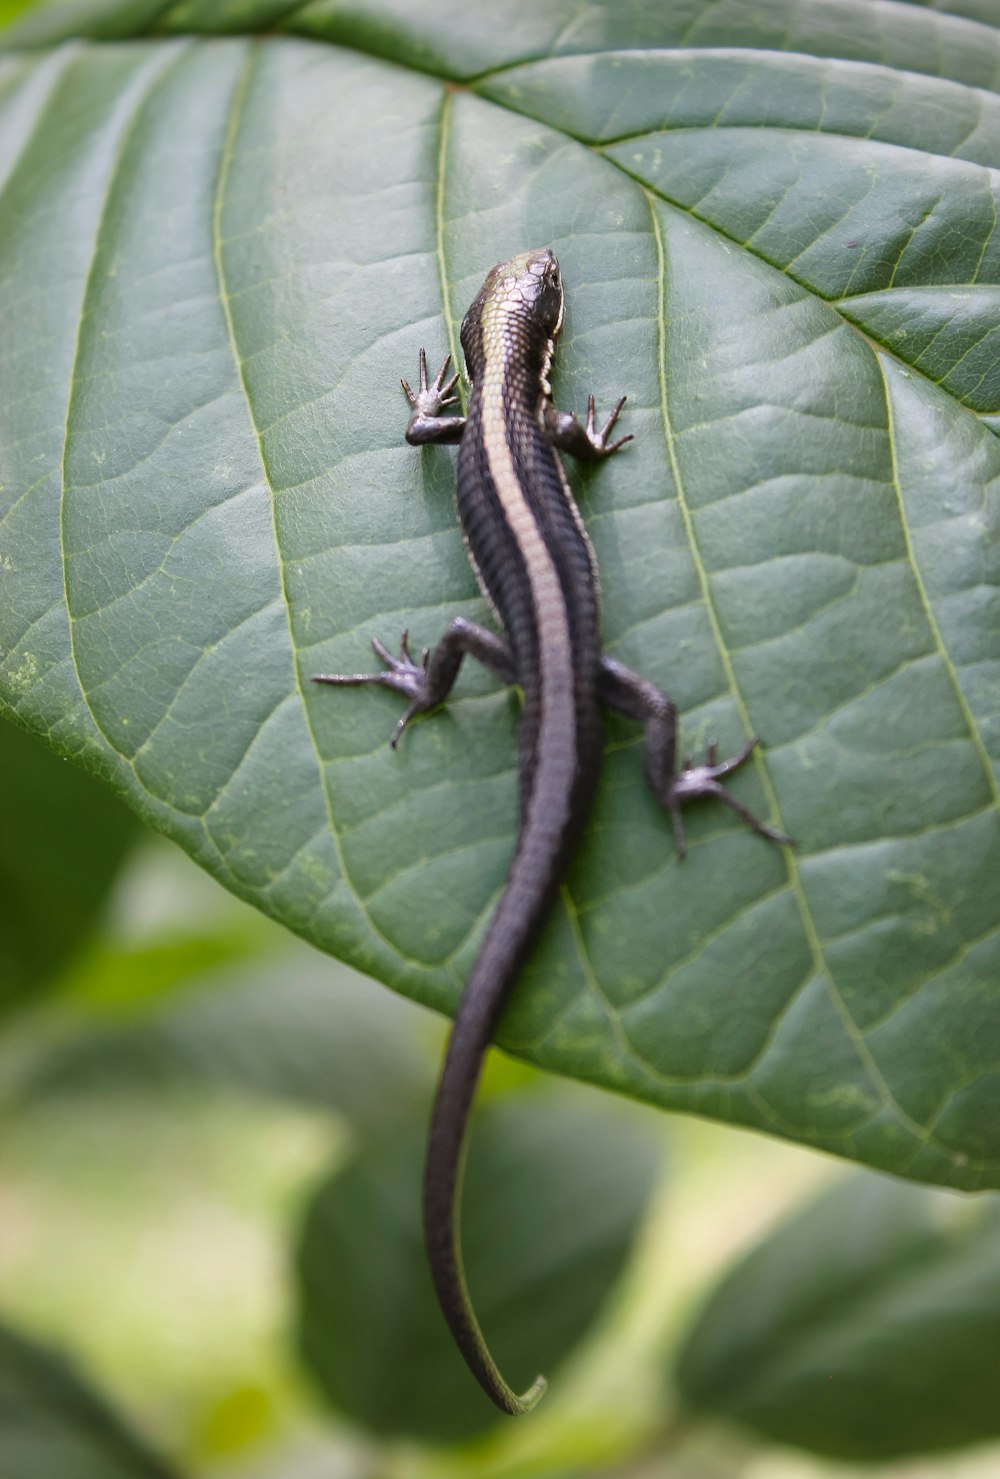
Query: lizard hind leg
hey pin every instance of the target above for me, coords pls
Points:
(693, 781)
(639, 699)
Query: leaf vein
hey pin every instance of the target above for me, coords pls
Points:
(225, 163)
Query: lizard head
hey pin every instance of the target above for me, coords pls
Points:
(529, 283)
(523, 295)
(532, 279)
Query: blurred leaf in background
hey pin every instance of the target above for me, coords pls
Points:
(63, 838)
(288, 1027)
(53, 1426)
(866, 1327)
(555, 1191)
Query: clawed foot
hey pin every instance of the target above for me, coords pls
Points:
(706, 780)
(431, 399)
(402, 674)
(599, 439)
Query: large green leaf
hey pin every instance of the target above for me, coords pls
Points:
(866, 1327)
(217, 256)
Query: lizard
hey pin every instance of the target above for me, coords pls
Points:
(536, 567)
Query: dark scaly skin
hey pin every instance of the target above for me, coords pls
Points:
(536, 568)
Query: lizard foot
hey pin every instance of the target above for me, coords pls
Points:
(694, 781)
(432, 398)
(402, 674)
(599, 439)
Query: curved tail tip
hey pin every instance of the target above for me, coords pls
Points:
(531, 1397)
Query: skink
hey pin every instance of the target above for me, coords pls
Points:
(536, 568)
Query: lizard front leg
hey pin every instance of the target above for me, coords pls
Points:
(584, 442)
(426, 423)
(428, 682)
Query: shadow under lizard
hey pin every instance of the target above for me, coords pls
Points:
(536, 567)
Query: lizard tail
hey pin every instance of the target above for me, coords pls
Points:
(531, 886)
